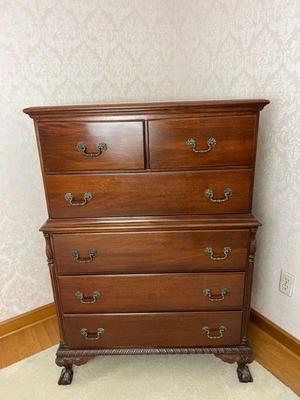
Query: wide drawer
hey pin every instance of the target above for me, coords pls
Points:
(186, 329)
(160, 193)
(154, 251)
(91, 146)
(196, 142)
(155, 292)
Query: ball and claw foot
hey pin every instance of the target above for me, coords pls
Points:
(66, 376)
(244, 374)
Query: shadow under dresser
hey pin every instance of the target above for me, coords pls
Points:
(150, 238)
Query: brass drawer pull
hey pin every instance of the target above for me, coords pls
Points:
(90, 258)
(86, 198)
(92, 336)
(210, 195)
(211, 142)
(88, 300)
(82, 148)
(216, 297)
(207, 331)
(209, 252)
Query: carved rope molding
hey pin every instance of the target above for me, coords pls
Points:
(229, 354)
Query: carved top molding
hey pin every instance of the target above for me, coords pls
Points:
(205, 106)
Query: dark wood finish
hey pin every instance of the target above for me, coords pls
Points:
(124, 140)
(234, 142)
(155, 292)
(242, 359)
(162, 108)
(153, 223)
(153, 330)
(134, 194)
(149, 215)
(248, 285)
(136, 252)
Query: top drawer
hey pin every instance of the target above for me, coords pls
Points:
(201, 142)
(91, 146)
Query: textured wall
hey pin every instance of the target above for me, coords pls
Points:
(60, 52)
(239, 49)
(57, 52)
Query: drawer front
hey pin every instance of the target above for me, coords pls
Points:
(153, 330)
(205, 192)
(91, 146)
(161, 292)
(138, 252)
(197, 142)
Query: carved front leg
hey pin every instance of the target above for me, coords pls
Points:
(67, 358)
(244, 373)
(66, 375)
(242, 358)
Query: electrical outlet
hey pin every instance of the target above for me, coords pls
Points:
(286, 283)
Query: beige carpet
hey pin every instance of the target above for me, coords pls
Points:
(200, 377)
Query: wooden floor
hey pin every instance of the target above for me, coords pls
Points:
(268, 352)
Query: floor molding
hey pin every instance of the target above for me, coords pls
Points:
(276, 332)
(25, 320)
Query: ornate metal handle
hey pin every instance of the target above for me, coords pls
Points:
(88, 300)
(209, 252)
(210, 195)
(90, 258)
(86, 198)
(216, 297)
(211, 142)
(82, 147)
(206, 331)
(92, 336)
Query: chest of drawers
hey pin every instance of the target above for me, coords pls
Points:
(150, 238)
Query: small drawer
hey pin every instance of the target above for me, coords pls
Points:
(154, 251)
(185, 329)
(91, 146)
(202, 142)
(144, 293)
(154, 193)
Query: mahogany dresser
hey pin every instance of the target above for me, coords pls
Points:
(150, 238)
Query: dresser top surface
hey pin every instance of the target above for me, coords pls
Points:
(158, 107)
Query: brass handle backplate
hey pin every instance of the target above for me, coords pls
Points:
(207, 331)
(215, 297)
(92, 336)
(209, 252)
(192, 144)
(82, 148)
(86, 198)
(85, 260)
(87, 300)
(210, 195)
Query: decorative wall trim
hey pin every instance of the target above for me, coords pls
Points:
(276, 332)
(25, 320)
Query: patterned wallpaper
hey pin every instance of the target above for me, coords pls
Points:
(63, 52)
(69, 51)
(240, 49)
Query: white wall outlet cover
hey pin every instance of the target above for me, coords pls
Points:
(286, 283)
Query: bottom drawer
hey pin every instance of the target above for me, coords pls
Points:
(182, 329)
